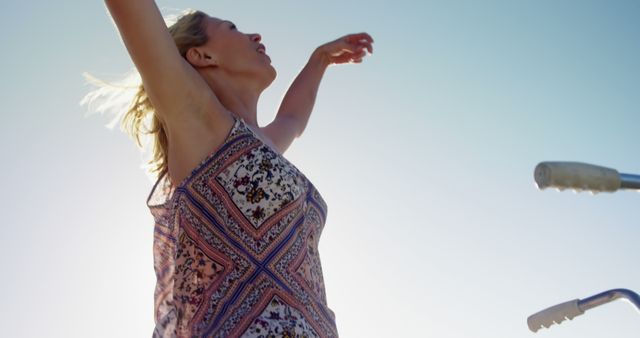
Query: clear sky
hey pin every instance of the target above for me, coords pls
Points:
(424, 153)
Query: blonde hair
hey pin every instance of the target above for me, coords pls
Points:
(138, 117)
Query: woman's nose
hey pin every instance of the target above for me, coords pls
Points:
(256, 37)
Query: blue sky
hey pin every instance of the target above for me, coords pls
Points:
(424, 153)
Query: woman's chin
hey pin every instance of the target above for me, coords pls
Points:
(272, 73)
(268, 76)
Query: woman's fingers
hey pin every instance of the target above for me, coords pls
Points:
(361, 39)
(360, 36)
(349, 48)
(369, 47)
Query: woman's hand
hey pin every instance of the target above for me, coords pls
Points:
(349, 48)
(298, 102)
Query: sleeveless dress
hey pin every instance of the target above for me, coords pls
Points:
(236, 247)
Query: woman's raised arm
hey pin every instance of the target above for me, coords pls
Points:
(171, 83)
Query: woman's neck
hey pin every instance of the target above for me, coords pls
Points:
(237, 96)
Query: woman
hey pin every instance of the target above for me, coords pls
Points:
(237, 225)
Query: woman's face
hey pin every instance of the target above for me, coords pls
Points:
(237, 53)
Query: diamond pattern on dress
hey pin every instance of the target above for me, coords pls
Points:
(260, 183)
(280, 319)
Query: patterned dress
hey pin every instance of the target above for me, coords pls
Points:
(236, 247)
